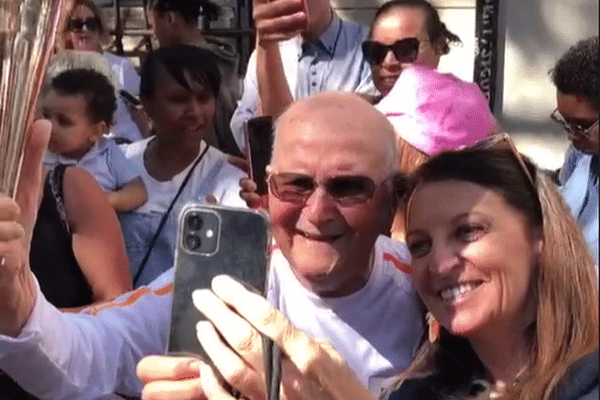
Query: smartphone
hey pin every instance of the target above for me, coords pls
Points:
(259, 142)
(129, 98)
(214, 240)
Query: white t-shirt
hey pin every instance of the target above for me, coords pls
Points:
(376, 330)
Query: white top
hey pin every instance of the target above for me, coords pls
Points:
(105, 161)
(62, 356)
(129, 80)
(376, 330)
(213, 175)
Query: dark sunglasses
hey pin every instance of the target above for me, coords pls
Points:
(89, 24)
(345, 190)
(405, 51)
(572, 129)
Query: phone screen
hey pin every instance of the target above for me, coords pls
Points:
(259, 137)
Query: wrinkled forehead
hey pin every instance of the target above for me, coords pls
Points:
(315, 142)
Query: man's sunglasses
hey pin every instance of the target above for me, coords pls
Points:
(405, 51)
(345, 190)
(572, 129)
(89, 24)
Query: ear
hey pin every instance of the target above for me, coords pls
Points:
(100, 128)
(440, 47)
(538, 243)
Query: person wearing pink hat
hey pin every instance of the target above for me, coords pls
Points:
(433, 112)
(404, 32)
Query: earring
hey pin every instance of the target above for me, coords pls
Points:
(434, 328)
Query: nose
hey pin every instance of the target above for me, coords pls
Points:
(320, 207)
(194, 109)
(443, 259)
(390, 59)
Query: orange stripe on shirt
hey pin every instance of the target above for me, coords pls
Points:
(407, 269)
(133, 297)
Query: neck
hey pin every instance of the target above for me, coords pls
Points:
(166, 159)
(505, 356)
(336, 286)
(319, 26)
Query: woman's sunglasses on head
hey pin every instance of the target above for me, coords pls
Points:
(572, 129)
(88, 24)
(405, 51)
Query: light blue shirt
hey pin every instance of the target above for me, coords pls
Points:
(580, 190)
(334, 62)
(104, 160)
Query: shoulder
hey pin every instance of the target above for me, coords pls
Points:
(394, 253)
(582, 380)
(219, 160)
(134, 149)
(354, 30)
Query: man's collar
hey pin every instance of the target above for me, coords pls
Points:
(330, 36)
(327, 41)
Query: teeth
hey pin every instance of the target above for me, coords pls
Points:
(455, 291)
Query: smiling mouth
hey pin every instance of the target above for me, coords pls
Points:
(319, 238)
(459, 290)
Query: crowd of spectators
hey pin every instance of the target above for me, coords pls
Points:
(416, 253)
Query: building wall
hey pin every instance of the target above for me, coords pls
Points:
(537, 33)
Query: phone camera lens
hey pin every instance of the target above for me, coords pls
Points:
(194, 222)
(192, 242)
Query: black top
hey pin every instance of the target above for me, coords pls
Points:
(52, 259)
(580, 384)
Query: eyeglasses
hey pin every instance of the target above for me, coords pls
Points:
(345, 190)
(89, 24)
(502, 141)
(572, 129)
(405, 51)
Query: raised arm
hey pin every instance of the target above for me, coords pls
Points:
(275, 21)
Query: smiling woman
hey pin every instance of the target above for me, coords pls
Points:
(504, 270)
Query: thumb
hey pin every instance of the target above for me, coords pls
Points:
(30, 179)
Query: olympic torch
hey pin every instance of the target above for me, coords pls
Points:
(27, 32)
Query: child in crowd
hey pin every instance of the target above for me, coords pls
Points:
(80, 103)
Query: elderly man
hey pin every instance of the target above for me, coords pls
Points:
(331, 196)
(576, 78)
(303, 48)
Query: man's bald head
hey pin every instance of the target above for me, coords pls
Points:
(335, 115)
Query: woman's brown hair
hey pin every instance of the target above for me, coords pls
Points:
(566, 324)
